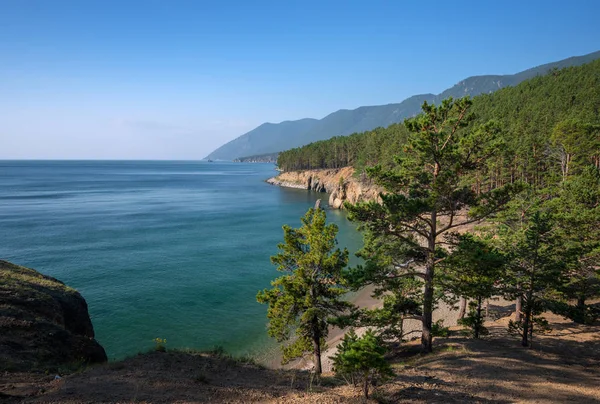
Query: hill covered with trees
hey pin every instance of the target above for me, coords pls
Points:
(496, 197)
(530, 118)
(272, 138)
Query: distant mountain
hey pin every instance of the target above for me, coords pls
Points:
(272, 138)
(267, 138)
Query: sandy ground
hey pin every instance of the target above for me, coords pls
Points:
(363, 299)
(562, 366)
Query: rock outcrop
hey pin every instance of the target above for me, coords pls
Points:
(340, 183)
(43, 323)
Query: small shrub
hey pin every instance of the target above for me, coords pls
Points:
(474, 321)
(219, 351)
(585, 314)
(249, 360)
(361, 360)
(330, 381)
(539, 325)
(438, 329)
(160, 344)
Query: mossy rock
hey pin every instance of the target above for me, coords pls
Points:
(44, 323)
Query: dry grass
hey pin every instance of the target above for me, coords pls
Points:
(563, 366)
(11, 274)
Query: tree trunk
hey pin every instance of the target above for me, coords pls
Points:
(316, 331)
(531, 332)
(580, 317)
(524, 340)
(366, 385)
(426, 335)
(518, 309)
(462, 308)
(479, 319)
(317, 351)
(527, 320)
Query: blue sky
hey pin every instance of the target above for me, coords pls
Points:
(104, 79)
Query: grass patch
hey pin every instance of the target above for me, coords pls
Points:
(220, 352)
(11, 273)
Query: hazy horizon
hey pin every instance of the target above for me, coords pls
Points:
(108, 80)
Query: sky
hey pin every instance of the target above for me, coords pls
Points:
(171, 79)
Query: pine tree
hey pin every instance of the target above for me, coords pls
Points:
(310, 291)
(402, 296)
(577, 215)
(575, 143)
(429, 194)
(535, 270)
(472, 270)
(361, 360)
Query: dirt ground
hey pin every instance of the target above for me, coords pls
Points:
(562, 367)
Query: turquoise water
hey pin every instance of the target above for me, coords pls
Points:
(175, 250)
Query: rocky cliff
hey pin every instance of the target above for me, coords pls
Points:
(340, 183)
(43, 323)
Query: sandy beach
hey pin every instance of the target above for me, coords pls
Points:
(363, 299)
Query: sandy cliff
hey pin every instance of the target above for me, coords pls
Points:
(339, 183)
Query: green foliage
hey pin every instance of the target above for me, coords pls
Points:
(377, 146)
(311, 289)
(539, 324)
(472, 270)
(577, 214)
(474, 320)
(388, 320)
(588, 314)
(258, 158)
(268, 138)
(428, 193)
(532, 114)
(526, 157)
(160, 344)
(473, 267)
(438, 329)
(574, 144)
(537, 118)
(361, 360)
(219, 351)
(536, 268)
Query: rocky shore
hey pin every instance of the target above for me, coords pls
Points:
(45, 324)
(340, 183)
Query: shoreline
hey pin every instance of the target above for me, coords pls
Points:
(362, 299)
(341, 184)
(285, 184)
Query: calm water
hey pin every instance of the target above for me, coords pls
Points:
(175, 250)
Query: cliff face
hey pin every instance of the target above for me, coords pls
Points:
(43, 322)
(339, 183)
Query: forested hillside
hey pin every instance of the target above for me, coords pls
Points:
(260, 158)
(497, 196)
(272, 138)
(530, 117)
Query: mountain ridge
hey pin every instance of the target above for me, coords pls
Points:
(275, 137)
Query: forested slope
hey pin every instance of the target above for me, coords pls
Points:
(272, 138)
(527, 116)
